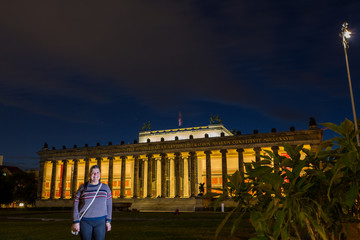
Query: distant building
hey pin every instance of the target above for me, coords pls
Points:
(1, 160)
(166, 166)
(9, 170)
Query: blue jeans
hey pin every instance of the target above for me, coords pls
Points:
(92, 230)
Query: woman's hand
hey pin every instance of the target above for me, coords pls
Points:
(108, 226)
(76, 227)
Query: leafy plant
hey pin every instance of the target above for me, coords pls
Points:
(305, 196)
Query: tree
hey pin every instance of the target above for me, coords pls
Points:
(18, 187)
(25, 187)
(6, 189)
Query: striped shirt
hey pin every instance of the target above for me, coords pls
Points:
(101, 208)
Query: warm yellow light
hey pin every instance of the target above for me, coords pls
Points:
(347, 34)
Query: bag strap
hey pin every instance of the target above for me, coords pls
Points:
(91, 202)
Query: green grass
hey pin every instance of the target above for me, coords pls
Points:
(31, 225)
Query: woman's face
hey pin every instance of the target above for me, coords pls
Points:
(95, 175)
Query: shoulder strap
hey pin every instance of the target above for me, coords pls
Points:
(91, 202)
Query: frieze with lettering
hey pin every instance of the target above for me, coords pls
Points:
(297, 137)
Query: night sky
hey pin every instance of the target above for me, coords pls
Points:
(82, 72)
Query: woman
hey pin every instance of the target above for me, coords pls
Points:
(97, 217)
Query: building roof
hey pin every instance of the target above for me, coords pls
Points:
(212, 130)
(10, 170)
(187, 129)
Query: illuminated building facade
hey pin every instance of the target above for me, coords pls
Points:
(166, 164)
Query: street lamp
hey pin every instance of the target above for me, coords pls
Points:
(345, 35)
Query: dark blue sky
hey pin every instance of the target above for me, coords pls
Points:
(76, 72)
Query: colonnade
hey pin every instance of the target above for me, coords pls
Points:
(164, 175)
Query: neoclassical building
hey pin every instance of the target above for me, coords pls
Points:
(164, 166)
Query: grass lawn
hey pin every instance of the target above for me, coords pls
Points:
(31, 225)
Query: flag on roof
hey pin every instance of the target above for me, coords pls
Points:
(180, 120)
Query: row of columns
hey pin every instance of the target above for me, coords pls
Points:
(147, 176)
(86, 175)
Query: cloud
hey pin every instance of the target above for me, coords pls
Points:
(149, 49)
(162, 53)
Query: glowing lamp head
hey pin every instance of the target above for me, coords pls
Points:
(347, 34)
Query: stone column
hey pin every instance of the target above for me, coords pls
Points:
(87, 163)
(177, 174)
(257, 153)
(163, 177)
(208, 171)
(136, 176)
(63, 180)
(149, 176)
(75, 177)
(172, 177)
(197, 175)
(41, 179)
(98, 161)
(158, 177)
(192, 174)
(186, 178)
(224, 167)
(275, 150)
(111, 172)
(145, 177)
(53, 179)
(241, 160)
(123, 176)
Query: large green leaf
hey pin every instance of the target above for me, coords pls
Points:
(334, 128)
(289, 174)
(351, 195)
(289, 149)
(256, 220)
(317, 227)
(274, 179)
(270, 153)
(223, 222)
(298, 168)
(260, 171)
(286, 162)
(349, 159)
(266, 157)
(265, 187)
(236, 178)
(278, 223)
(347, 126)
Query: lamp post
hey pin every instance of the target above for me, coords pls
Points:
(345, 35)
